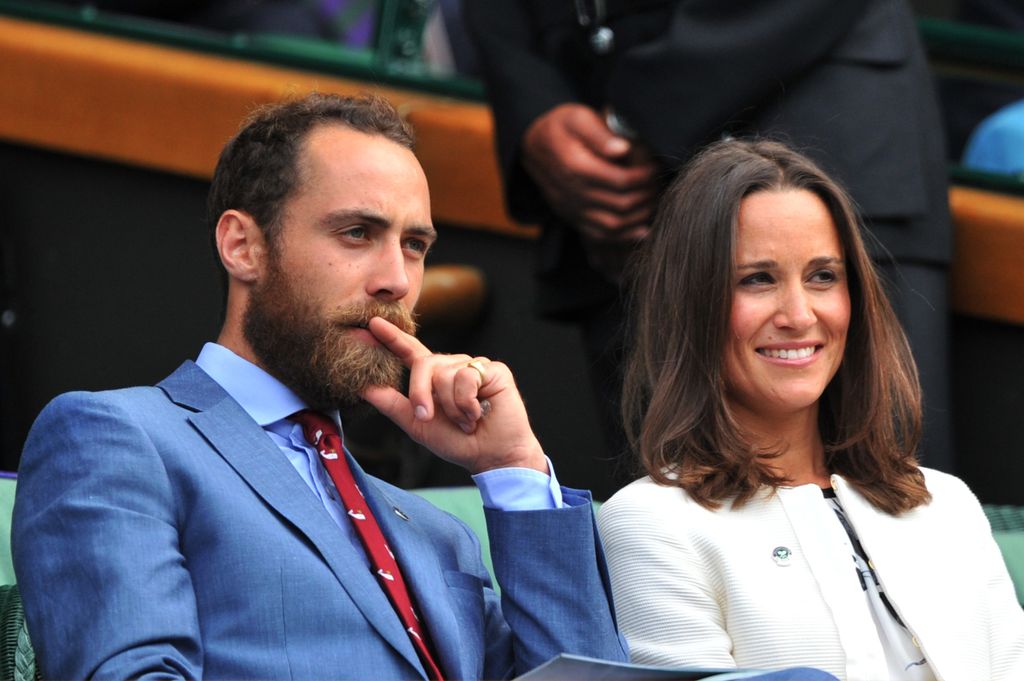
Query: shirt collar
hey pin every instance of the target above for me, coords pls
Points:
(262, 396)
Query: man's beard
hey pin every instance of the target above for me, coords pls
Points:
(316, 355)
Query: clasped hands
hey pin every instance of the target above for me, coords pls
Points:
(602, 184)
(472, 416)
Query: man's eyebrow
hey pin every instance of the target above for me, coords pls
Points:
(344, 216)
(425, 231)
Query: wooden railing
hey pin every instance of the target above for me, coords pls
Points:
(170, 109)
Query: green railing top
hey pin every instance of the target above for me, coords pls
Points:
(376, 66)
(993, 182)
(997, 51)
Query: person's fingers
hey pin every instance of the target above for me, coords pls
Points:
(455, 386)
(392, 404)
(570, 145)
(411, 352)
(604, 226)
(405, 346)
(579, 168)
(469, 380)
(623, 204)
(635, 234)
(589, 128)
(617, 177)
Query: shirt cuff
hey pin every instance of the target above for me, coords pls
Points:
(519, 489)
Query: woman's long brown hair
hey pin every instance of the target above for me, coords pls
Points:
(674, 407)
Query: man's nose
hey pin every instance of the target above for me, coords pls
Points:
(389, 279)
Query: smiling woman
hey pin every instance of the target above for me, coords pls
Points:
(790, 314)
(768, 251)
(773, 403)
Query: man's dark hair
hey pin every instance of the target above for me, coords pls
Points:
(258, 169)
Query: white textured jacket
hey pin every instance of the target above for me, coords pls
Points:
(709, 588)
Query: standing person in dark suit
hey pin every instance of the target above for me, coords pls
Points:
(595, 103)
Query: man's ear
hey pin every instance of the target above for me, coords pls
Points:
(241, 245)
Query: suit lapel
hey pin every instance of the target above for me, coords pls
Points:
(253, 455)
(417, 559)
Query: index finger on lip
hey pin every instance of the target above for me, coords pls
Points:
(404, 346)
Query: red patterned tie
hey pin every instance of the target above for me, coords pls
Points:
(322, 433)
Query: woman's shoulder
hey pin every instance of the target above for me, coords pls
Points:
(646, 516)
(647, 498)
(644, 494)
(953, 504)
(946, 488)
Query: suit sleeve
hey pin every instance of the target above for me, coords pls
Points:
(717, 60)
(664, 592)
(555, 594)
(521, 83)
(95, 546)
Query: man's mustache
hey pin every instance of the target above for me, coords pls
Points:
(361, 314)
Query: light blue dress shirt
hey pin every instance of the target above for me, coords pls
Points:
(269, 402)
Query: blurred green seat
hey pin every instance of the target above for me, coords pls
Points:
(8, 483)
(1008, 529)
(17, 659)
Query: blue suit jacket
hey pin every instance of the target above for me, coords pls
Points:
(159, 532)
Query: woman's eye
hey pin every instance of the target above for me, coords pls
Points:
(756, 279)
(824, 277)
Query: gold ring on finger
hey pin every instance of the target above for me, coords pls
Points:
(479, 366)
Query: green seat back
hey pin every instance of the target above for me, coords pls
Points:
(1008, 529)
(7, 486)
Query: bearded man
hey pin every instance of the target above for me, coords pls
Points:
(215, 526)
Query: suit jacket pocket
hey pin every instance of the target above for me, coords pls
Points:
(464, 580)
(466, 597)
(466, 594)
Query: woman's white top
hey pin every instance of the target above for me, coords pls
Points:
(771, 584)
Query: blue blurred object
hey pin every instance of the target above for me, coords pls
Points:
(997, 144)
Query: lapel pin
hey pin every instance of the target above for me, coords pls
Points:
(782, 555)
(399, 513)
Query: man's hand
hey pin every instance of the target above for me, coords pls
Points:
(472, 417)
(601, 183)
